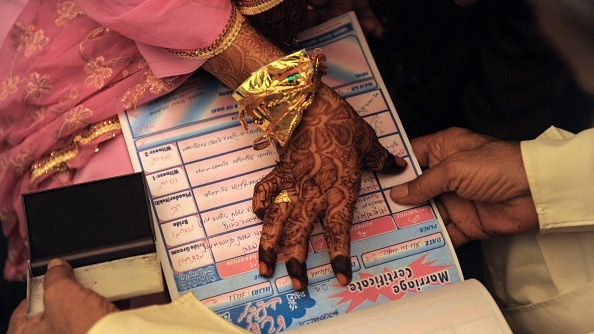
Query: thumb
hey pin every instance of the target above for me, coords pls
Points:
(420, 190)
(57, 269)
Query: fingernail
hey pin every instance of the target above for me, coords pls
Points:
(341, 265)
(54, 263)
(394, 164)
(399, 191)
(265, 270)
(342, 279)
(298, 285)
(298, 273)
(267, 261)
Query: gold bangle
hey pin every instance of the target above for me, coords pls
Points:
(220, 44)
(253, 7)
(276, 95)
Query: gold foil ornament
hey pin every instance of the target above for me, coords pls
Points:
(276, 95)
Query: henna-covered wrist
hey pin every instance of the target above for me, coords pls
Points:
(248, 52)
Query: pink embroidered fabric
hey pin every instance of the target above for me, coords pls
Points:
(66, 65)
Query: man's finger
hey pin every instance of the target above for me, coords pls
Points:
(431, 183)
(456, 235)
(421, 148)
(438, 146)
(464, 218)
(57, 269)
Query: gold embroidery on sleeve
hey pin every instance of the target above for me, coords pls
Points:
(98, 69)
(31, 40)
(151, 83)
(75, 118)
(67, 11)
(97, 72)
(37, 85)
(57, 160)
(20, 162)
(28, 42)
(9, 86)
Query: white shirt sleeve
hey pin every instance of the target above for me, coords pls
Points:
(185, 315)
(560, 169)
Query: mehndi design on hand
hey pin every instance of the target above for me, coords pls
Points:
(320, 171)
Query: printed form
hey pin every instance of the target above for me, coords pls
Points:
(201, 169)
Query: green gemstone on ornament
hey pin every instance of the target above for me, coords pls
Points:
(291, 78)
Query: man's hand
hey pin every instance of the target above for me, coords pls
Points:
(319, 170)
(480, 183)
(69, 307)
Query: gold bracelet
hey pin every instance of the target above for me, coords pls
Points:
(253, 7)
(220, 44)
(276, 95)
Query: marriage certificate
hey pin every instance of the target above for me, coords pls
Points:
(201, 170)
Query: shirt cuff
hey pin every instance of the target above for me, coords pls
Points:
(560, 170)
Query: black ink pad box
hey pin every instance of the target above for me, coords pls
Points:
(103, 228)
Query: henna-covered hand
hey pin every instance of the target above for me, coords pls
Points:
(319, 167)
(320, 170)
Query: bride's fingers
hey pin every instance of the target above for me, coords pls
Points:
(297, 231)
(337, 229)
(273, 228)
(264, 192)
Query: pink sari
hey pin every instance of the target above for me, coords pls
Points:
(64, 77)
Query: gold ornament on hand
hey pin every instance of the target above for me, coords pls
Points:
(276, 95)
(282, 197)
